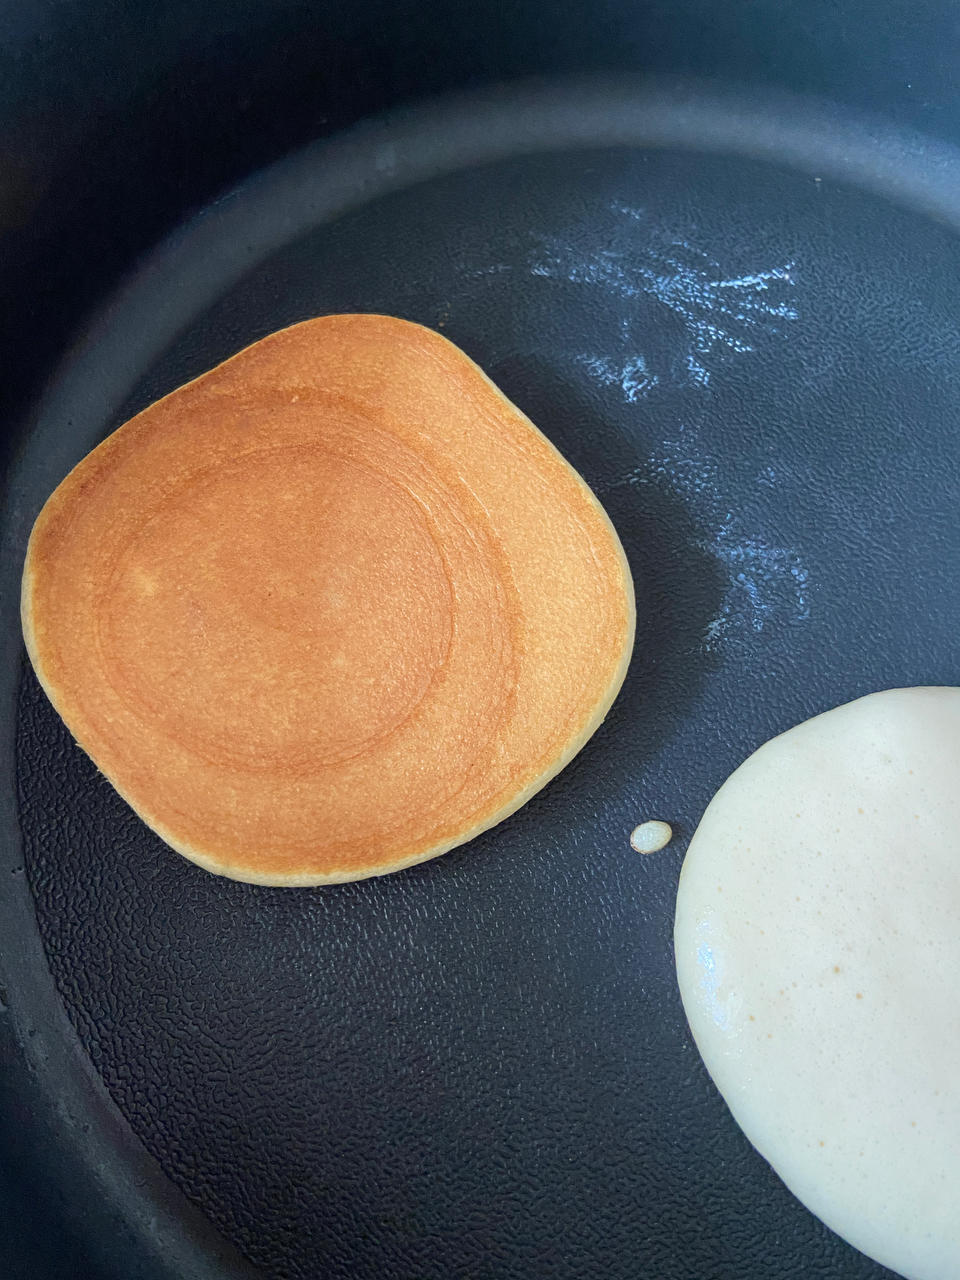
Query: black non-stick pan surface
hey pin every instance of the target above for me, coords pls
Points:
(737, 318)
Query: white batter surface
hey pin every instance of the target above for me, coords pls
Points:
(818, 954)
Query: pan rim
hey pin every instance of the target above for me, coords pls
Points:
(318, 183)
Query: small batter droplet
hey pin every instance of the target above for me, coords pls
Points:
(651, 836)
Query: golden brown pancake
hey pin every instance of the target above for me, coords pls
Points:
(329, 610)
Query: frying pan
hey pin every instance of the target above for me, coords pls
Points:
(733, 311)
